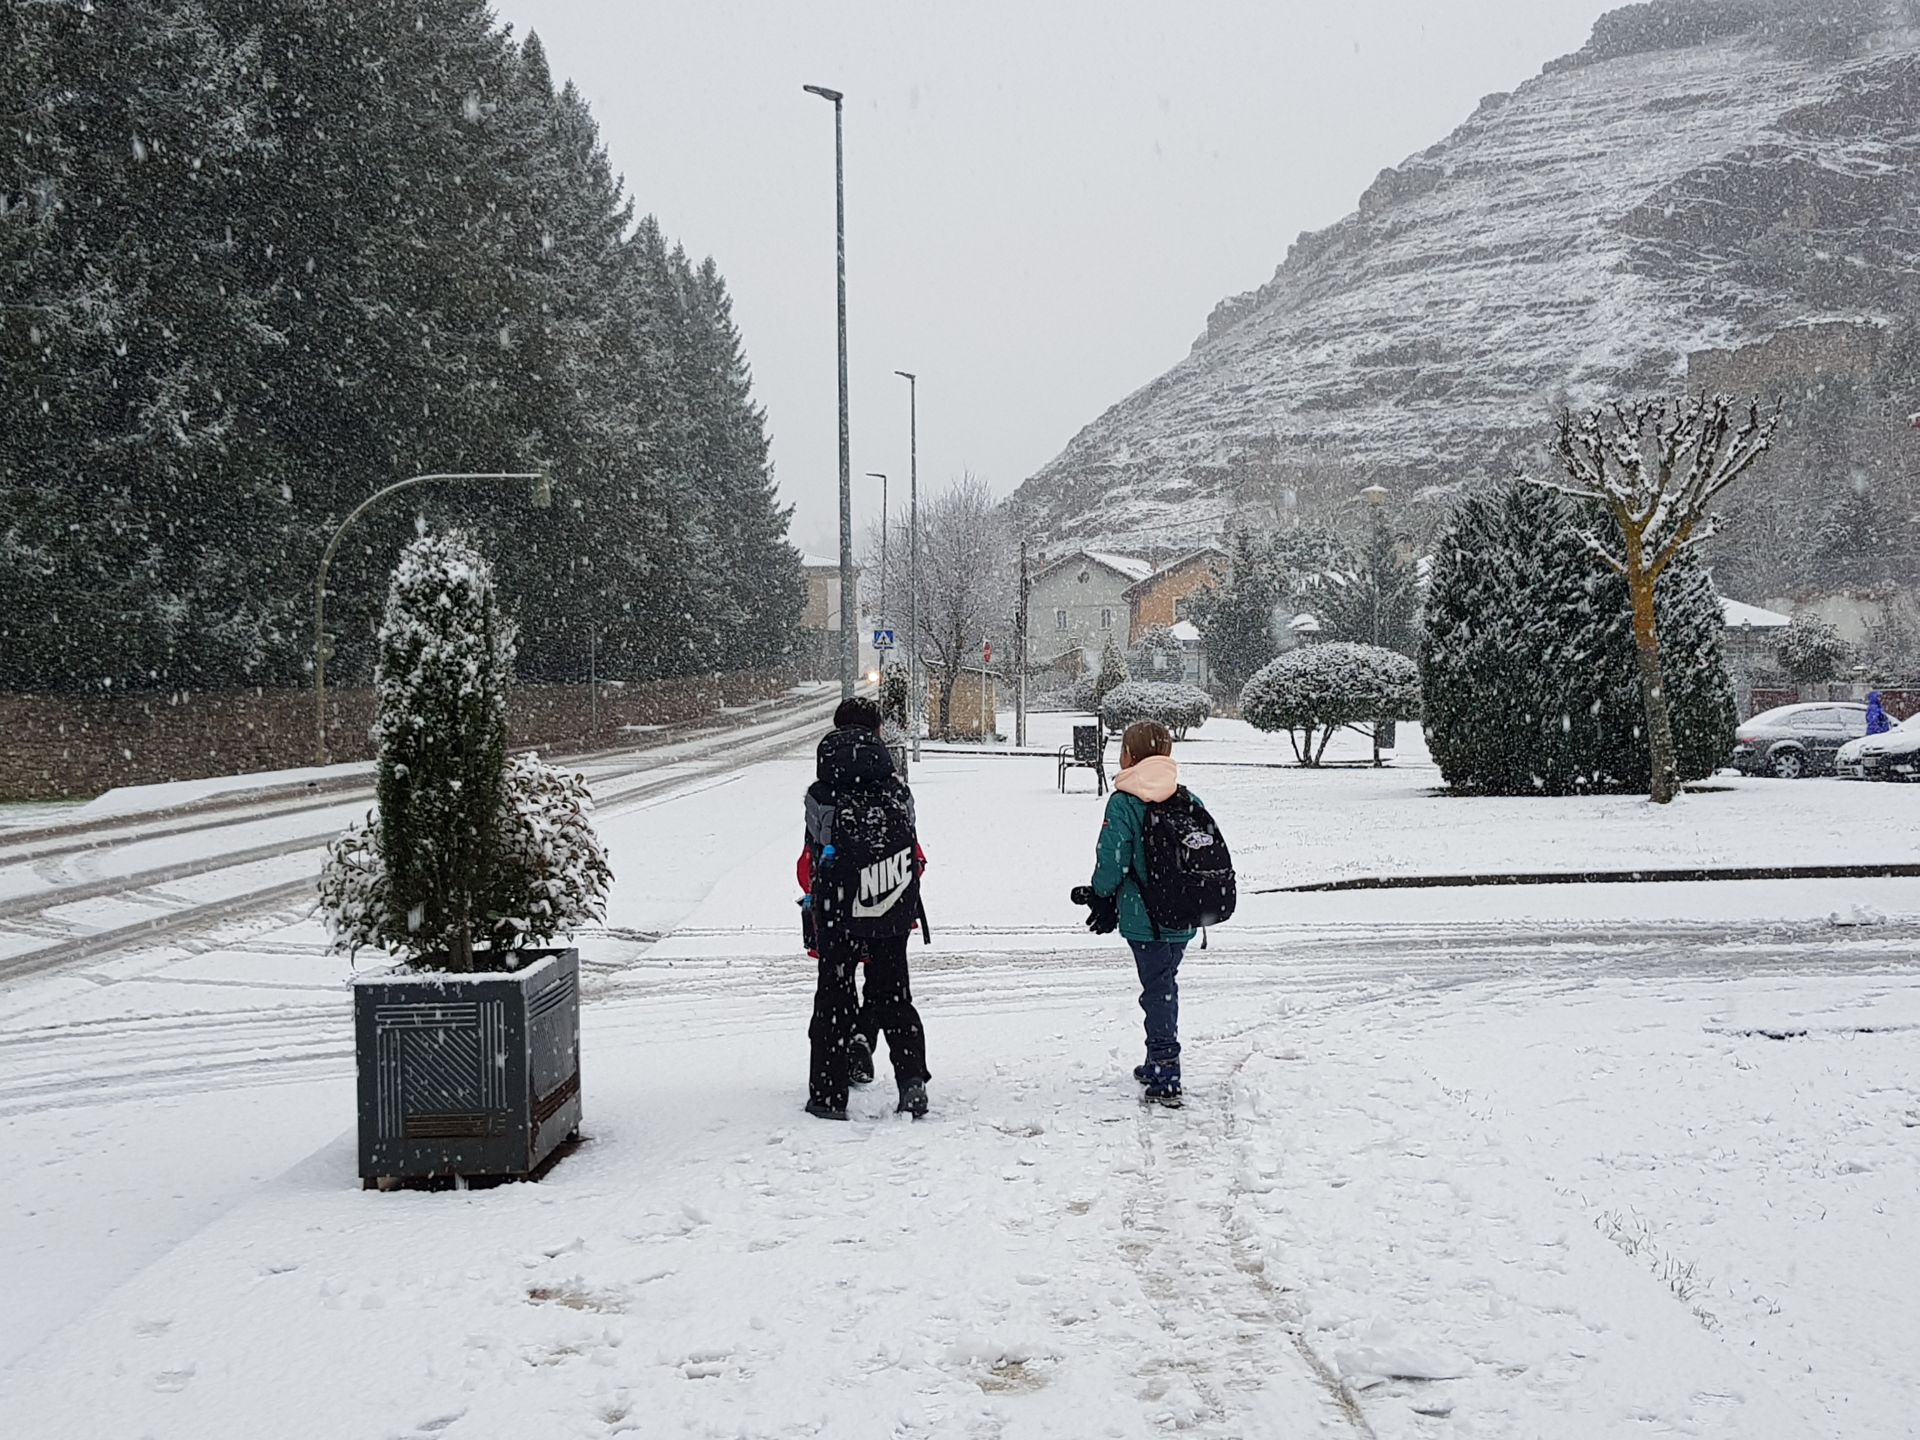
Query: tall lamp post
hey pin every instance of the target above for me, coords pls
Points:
(913, 554)
(849, 656)
(1384, 731)
(322, 642)
(886, 615)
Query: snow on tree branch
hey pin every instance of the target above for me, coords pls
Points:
(1657, 466)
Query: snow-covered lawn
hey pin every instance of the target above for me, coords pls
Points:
(1596, 1160)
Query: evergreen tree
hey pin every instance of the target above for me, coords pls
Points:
(1528, 664)
(263, 257)
(1269, 579)
(446, 659)
(1375, 600)
(1236, 617)
(1812, 652)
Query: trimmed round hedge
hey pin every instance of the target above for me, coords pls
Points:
(1318, 689)
(1178, 707)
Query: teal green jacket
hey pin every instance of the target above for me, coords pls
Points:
(1120, 859)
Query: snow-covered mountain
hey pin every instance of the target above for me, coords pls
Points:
(1699, 176)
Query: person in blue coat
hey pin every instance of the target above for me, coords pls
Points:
(1147, 776)
(1878, 721)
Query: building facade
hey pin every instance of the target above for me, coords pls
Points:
(1161, 600)
(822, 617)
(1076, 604)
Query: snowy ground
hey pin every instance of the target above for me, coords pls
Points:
(1568, 1161)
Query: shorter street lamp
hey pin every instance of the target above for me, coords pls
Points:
(323, 642)
(886, 615)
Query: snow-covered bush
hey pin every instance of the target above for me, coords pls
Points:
(1178, 707)
(1159, 655)
(467, 849)
(1075, 698)
(896, 694)
(1529, 673)
(549, 875)
(1318, 689)
(1811, 651)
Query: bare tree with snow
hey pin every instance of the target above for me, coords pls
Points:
(1656, 467)
(966, 580)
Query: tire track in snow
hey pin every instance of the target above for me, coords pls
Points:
(66, 948)
(139, 1056)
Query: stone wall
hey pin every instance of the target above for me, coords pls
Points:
(63, 746)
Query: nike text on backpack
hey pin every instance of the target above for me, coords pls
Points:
(871, 887)
(1189, 883)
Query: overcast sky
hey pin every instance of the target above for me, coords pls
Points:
(1044, 200)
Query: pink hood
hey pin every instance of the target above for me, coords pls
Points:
(1153, 779)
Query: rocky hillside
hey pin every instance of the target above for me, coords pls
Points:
(1704, 174)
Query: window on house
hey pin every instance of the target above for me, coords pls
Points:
(1106, 619)
(1059, 619)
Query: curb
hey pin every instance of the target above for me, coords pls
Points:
(1693, 875)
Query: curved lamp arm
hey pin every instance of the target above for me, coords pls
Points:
(542, 499)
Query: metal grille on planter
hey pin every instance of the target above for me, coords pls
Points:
(467, 1075)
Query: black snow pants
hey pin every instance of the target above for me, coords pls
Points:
(838, 1014)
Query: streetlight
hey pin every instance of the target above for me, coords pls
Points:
(913, 553)
(322, 643)
(1376, 495)
(886, 616)
(848, 656)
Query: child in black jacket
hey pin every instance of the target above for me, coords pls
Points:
(861, 868)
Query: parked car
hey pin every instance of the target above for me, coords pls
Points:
(1797, 740)
(1894, 755)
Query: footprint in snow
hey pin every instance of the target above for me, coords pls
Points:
(172, 1382)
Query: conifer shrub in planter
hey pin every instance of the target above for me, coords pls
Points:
(1317, 690)
(468, 1052)
(1178, 707)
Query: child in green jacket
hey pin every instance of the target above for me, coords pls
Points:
(1147, 775)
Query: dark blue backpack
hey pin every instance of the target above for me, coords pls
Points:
(1189, 883)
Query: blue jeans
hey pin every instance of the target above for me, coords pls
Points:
(1158, 962)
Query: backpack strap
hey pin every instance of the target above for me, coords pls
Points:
(1140, 881)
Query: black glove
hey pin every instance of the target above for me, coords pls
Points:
(1103, 914)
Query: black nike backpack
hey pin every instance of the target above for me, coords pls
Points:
(1189, 883)
(870, 887)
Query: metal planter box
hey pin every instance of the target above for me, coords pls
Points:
(467, 1075)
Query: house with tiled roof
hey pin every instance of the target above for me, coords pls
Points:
(1078, 602)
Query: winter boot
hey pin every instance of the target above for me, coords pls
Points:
(913, 1099)
(859, 1061)
(1161, 1079)
(821, 1110)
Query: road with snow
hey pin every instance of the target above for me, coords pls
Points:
(1569, 1161)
